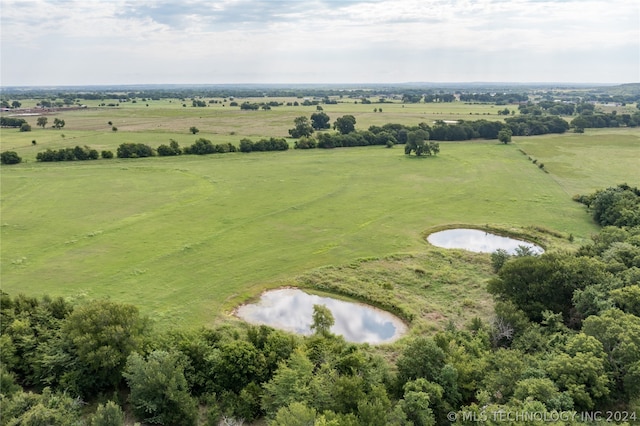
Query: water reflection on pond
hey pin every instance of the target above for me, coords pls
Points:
(291, 309)
(478, 241)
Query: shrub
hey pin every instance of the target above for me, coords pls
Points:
(25, 127)
(10, 157)
(106, 154)
(246, 145)
(11, 122)
(305, 143)
(134, 150)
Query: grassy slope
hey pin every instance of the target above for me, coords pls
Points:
(186, 237)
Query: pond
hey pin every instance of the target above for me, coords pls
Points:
(291, 309)
(478, 241)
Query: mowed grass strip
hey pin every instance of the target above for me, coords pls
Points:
(186, 238)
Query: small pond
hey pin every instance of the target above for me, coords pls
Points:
(291, 310)
(478, 241)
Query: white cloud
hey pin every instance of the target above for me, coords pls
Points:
(318, 41)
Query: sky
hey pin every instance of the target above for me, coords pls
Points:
(98, 42)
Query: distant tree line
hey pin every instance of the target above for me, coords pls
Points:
(20, 122)
(600, 120)
(497, 98)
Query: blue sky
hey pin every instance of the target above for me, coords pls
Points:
(80, 42)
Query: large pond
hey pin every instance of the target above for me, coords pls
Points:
(291, 310)
(478, 241)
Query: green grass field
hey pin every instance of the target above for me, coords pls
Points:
(167, 119)
(187, 238)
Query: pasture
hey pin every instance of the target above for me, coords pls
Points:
(187, 238)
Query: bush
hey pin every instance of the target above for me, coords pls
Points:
(106, 154)
(68, 154)
(109, 414)
(10, 157)
(134, 150)
(305, 143)
(11, 122)
(159, 390)
(25, 127)
(204, 146)
(246, 145)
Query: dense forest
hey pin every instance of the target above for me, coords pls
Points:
(565, 342)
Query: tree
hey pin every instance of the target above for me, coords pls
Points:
(58, 123)
(48, 408)
(246, 145)
(499, 258)
(193, 129)
(417, 141)
(504, 135)
(580, 371)
(619, 333)
(10, 157)
(101, 335)
(42, 121)
(109, 414)
(236, 364)
(345, 124)
(290, 383)
(169, 150)
(159, 390)
(419, 396)
(320, 120)
(322, 320)
(422, 358)
(295, 414)
(539, 283)
(16, 104)
(302, 128)
(134, 150)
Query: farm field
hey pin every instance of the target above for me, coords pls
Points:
(167, 119)
(187, 238)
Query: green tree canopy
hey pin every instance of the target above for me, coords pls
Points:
(322, 320)
(302, 128)
(320, 120)
(101, 335)
(345, 124)
(159, 390)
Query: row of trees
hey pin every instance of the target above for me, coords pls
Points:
(11, 122)
(20, 122)
(398, 134)
(79, 153)
(600, 120)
